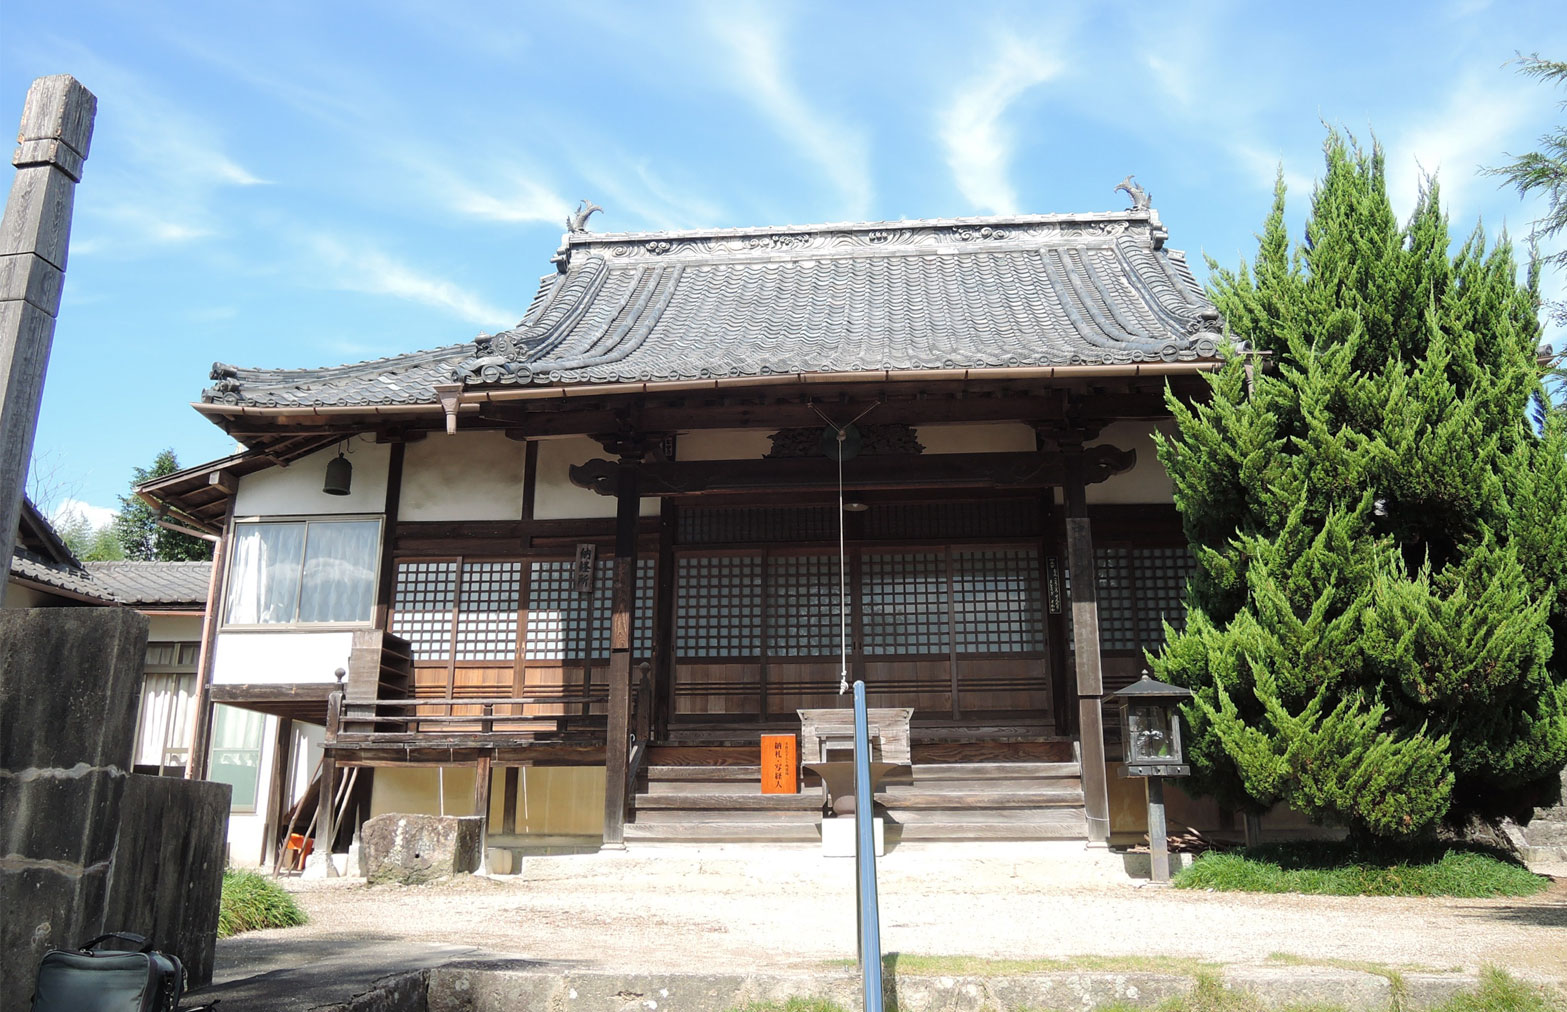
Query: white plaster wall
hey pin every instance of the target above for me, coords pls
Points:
(556, 498)
(977, 437)
(551, 800)
(466, 476)
(295, 490)
(273, 658)
(166, 628)
(23, 597)
(1147, 481)
(724, 444)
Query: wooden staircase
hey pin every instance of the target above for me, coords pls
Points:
(717, 798)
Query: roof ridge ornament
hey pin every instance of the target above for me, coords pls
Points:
(577, 221)
(1142, 200)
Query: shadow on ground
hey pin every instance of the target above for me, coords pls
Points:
(271, 971)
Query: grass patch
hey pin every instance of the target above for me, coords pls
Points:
(1498, 992)
(1340, 868)
(251, 902)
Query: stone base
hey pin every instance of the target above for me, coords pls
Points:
(1139, 863)
(838, 836)
(415, 849)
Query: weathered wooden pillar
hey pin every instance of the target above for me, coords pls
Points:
(277, 791)
(664, 622)
(1085, 642)
(481, 807)
(326, 828)
(199, 758)
(617, 740)
(35, 233)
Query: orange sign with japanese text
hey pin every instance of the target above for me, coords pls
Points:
(779, 768)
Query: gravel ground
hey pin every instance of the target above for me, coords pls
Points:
(730, 908)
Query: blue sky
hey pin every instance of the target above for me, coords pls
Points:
(296, 184)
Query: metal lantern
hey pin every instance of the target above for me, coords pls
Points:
(339, 475)
(1151, 728)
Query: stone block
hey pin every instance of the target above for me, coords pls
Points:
(1431, 990)
(1084, 990)
(1283, 986)
(64, 816)
(70, 679)
(414, 849)
(167, 875)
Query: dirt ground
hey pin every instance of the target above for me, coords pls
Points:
(731, 908)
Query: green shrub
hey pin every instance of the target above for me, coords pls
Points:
(1343, 869)
(252, 902)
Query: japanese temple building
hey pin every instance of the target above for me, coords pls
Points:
(568, 573)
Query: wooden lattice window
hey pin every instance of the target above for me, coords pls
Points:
(1117, 602)
(718, 610)
(422, 605)
(604, 608)
(487, 611)
(997, 606)
(1139, 589)
(803, 596)
(903, 601)
(1161, 575)
(558, 616)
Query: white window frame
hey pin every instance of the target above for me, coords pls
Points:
(295, 625)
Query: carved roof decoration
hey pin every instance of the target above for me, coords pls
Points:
(949, 293)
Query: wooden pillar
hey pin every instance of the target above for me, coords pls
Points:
(617, 738)
(1085, 641)
(509, 801)
(326, 827)
(664, 622)
(35, 234)
(276, 793)
(481, 806)
(196, 763)
(386, 584)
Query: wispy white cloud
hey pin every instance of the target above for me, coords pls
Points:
(363, 268)
(1261, 167)
(973, 130)
(758, 72)
(1480, 118)
(508, 197)
(70, 510)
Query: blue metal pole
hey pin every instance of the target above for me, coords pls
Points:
(865, 855)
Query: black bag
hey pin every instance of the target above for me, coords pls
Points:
(90, 979)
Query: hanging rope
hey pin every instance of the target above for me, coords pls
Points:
(843, 551)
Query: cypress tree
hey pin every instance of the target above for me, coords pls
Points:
(1376, 500)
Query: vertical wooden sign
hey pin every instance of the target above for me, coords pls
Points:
(779, 767)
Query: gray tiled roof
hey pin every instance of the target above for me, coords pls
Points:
(148, 583)
(969, 293)
(58, 575)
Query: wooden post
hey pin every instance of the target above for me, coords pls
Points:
(276, 793)
(387, 578)
(1158, 842)
(35, 233)
(617, 738)
(1085, 641)
(326, 827)
(509, 802)
(481, 807)
(196, 763)
(664, 621)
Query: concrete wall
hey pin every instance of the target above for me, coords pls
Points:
(285, 656)
(486, 466)
(295, 490)
(556, 498)
(551, 800)
(70, 680)
(167, 875)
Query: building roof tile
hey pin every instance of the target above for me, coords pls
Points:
(153, 583)
(971, 293)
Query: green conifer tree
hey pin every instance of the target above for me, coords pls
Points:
(1382, 554)
(136, 526)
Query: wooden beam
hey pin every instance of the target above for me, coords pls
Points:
(966, 470)
(617, 741)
